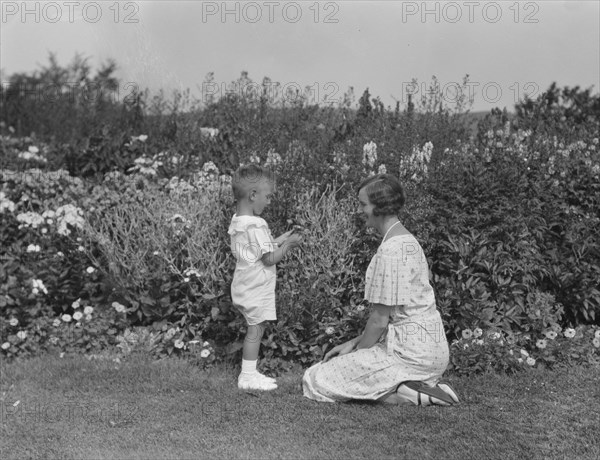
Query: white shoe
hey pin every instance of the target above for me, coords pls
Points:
(255, 382)
(266, 378)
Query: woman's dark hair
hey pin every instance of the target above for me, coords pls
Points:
(385, 193)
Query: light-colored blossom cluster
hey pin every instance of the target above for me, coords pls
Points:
(273, 159)
(38, 285)
(369, 155)
(140, 138)
(68, 214)
(179, 186)
(209, 132)
(209, 180)
(146, 166)
(254, 158)
(32, 155)
(6, 204)
(118, 307)
(30, 219)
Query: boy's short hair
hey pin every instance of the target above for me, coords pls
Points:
(249, 176)
(386, 194)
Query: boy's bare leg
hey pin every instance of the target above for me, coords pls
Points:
(252, 341)
(250, 355)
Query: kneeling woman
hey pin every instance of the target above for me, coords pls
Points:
(403, 352)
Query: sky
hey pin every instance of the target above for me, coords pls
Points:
(507, 48)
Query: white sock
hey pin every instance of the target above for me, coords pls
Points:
(248, 366)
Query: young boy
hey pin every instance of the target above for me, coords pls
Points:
(256, 253)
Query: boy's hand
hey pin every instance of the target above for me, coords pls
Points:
(283, 237)
(294, 240)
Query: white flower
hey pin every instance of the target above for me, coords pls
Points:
(77, 315)
(192, 271)
(59, 254)
(369, 154)
(56, 322)
(530, 361)
(477, 332)
(76, 304)
(5, 345)
(510, 352)
(569, 333)
(520, 360)
(170, 333)
(35, 291)
(66, 318)
(329, 331)
(205, 344)
(186, 280)
(541, 344)
(178, 343)
(524, 353)
(13, 321)
(360, 308)
(81, 249)
(117, 306)
(382, 169)
(209, 132)
(88, 317)
(204, 353)
(467, 334)
(88, 310)
(33, 149)
(90, 270)
(479, 342)
(550, 335)
(597, 334)
(22, 335)
(44, 230)
(33, 248)
(155, 253)
(596, 342)
(38, 285)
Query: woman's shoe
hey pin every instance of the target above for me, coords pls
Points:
(449, 391)
(420, 394)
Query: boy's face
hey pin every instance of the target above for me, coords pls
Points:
(261, 197)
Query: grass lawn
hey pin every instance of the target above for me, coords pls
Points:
(73, 408)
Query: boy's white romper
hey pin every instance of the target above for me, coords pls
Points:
(253, 286)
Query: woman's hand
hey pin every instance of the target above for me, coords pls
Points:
(340, 350)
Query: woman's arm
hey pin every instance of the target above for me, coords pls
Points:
(343, 349)
(376, 325)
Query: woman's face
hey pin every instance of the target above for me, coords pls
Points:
(366, 207)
